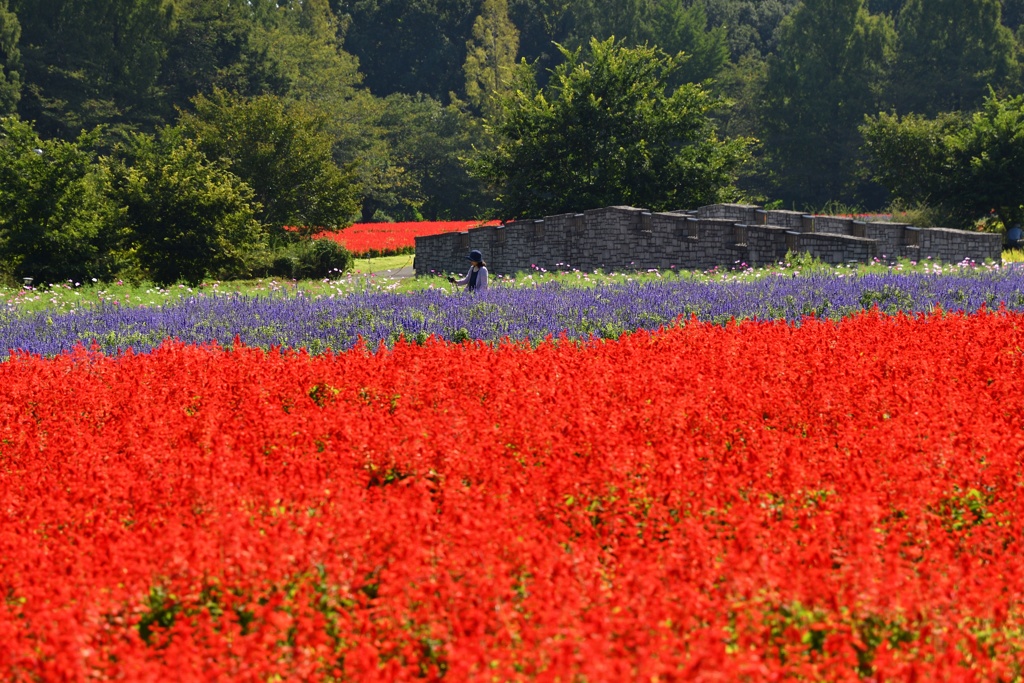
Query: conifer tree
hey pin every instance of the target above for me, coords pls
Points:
(10, 58)
(90, 62)
(950, 52)
(827, 73)
(673, 25)
(490, 56)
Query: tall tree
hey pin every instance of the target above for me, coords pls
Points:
(1013, 14)
(751, 24)
(213, 47)
(890, 7)
(282, 152)
(56, 221)
(965, 165)
(10, 60)
(490, 56)
(410, 46)
(89, 62)
(950, 52)
(673, 25)
(828, 72)
(610, 129)
(542, 24)
(188, 216)
(429, 141)
(362, 142)
(302, 45)
(257, 47)
(291, 51)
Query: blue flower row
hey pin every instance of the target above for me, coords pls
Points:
(321, 323)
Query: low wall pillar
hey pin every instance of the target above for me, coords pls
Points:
(792, 241)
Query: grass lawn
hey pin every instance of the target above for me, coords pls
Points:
(370, 266)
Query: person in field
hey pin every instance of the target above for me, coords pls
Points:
(1014, 236)
(476, 278)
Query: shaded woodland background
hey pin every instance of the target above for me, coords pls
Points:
(315, 113)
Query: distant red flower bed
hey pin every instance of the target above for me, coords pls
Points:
(823, 502)
(384, 239)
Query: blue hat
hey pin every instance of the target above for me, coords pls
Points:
(475, 255)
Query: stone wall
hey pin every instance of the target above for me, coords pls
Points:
(628, 238)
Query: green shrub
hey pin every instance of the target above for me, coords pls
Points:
(56, 221)
(308, 259)
(284, 153)
(189, 218)
(970, 165)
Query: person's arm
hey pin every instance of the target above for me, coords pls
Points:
(465, 280)
(481, 279)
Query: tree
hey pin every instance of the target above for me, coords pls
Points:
(429, 141)
(10, 60)
(302, 47)
(91, 62)
(966, 165)
(364, 142)
(677, 26)
(213, 46)
(607, 131)
(542, 24)
(188, 217)
(890, 7)
(909, 155)
(282, 152)
(672, 25)
(292, 51)
(828, 72)
(256, 47)
(56, 222)
(490, 56)
(950, 52)
(410, 46)
(751, 24)
(408, 151)
(1013, 14)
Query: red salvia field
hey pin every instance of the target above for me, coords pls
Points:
(383, 239)
(829, 501)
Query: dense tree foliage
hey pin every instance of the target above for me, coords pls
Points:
(673, 25)
(1013, 14)
(430, 141)
(10, 60)
(490, 56)
(88, 62)
(950, 52)
(751, 24)
(968, 165)
(188, 216)
(388, 99)
(827, 73)
(56, 222)
(888, 7)
(542, 24)
(212, 46)
(410, 46)
(283, 154)
(609, 130)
